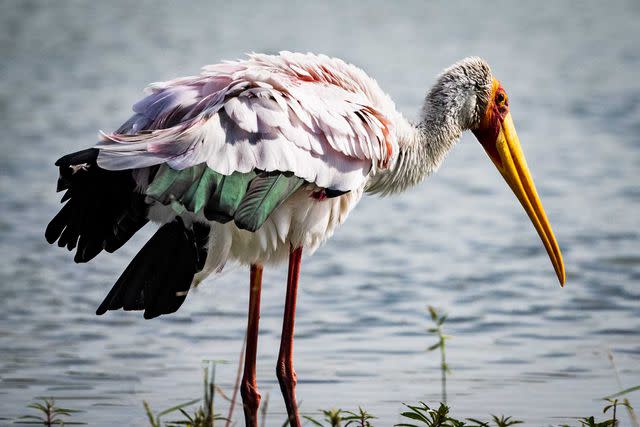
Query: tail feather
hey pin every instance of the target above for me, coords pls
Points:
(160, 275)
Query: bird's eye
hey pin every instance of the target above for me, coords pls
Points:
(500, 98)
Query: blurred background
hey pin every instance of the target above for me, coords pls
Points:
(459, 241)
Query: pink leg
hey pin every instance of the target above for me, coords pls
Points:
(249, 388)
(286, 374)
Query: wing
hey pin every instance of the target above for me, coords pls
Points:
(304, 118)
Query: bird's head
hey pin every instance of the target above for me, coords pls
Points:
(482, 105)
(497, 135)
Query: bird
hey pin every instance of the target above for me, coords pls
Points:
(253, 160)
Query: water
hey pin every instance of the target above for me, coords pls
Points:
(522, 345)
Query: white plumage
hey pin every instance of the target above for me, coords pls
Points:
(300, 221)
(318, 117)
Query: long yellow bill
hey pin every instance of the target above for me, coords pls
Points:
(511, 163)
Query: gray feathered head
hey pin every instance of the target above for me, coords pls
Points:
(472, 98)
(463, 90)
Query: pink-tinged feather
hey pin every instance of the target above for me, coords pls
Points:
(241, 111)
(215, 84)
(318, 117)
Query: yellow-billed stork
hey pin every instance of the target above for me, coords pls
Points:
(252, 161)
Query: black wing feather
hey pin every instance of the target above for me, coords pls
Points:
(159, 277)
(102, 209)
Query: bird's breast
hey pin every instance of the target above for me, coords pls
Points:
(304, 220)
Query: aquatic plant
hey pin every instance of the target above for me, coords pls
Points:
(438, 320)
(440, 417)
(358, 419)
(591, 422)
(419, 415)
(424, 414)
(429, 417)
(204, 416)
(155, 419)
(632, 415)
(613, 405)
(505, 421)
(199, 419)
(501, 421)
(332, 416)
(50, 414)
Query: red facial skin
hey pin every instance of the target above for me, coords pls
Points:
(489, 128)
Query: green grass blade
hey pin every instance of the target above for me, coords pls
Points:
(178, 407)
(623, 392)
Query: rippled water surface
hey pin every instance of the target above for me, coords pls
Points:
(459, 241)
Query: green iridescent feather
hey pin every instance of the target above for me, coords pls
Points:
(227, 196)
(265, 193)
(170, 185)
(247, 198)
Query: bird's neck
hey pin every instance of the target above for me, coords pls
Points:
(454, 104)
(422, 148)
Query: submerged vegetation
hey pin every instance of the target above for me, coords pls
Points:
(415, 415)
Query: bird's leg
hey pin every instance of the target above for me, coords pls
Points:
(249, 388)
(286, 374)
